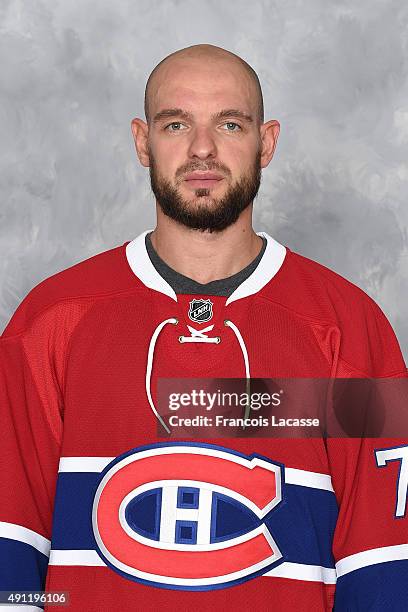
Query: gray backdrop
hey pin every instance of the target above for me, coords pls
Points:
(334, 74)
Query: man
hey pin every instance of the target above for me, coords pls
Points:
(96, 501)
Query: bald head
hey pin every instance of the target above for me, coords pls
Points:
(205, 54)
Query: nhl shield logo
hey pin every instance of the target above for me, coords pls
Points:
(200, 310)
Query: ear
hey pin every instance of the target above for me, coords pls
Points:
(269, 138)
(140, 132)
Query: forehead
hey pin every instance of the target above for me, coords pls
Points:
(197, 85)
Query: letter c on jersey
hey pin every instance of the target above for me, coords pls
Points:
(187, 516)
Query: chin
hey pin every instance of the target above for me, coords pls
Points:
(206, 199)
(203, 200)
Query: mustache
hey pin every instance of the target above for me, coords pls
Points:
(194, 167)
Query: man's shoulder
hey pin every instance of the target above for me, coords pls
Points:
(317, 291)
(337, 307)
(104, 273)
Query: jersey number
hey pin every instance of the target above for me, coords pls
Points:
(398, 453)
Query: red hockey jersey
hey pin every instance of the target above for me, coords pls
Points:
(97, 503)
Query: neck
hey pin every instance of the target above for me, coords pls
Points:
(202, 256)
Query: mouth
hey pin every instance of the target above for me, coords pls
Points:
(198, 180)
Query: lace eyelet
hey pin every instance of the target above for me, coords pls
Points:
(226, 321)
(218, 339)
(180, 338)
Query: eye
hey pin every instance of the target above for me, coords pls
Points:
(175, 125)
(231, 125)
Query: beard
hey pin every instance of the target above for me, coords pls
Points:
(212, 214)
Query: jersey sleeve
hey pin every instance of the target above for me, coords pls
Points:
(30, 438)
(370, 480)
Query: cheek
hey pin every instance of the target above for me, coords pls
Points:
(241, 156)
(240, 161)
(167, 160)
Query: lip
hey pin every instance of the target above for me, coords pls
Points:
(197, 180)
(203, 176)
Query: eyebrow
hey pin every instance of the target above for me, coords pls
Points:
(182, 114)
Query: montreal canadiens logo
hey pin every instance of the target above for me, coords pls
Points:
(200, 310)
(187, 516)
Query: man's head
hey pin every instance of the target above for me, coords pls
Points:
(205, 140)
(204, 53)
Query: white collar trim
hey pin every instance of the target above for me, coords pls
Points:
(139, 260)
(141, 265)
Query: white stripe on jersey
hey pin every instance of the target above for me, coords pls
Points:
(371, 557)
(23, 534)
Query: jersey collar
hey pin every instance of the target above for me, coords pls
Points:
(141, 265)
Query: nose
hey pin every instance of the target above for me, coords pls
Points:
(202, 144)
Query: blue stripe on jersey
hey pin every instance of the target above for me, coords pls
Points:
(302, 524)
(379, 587)
(72, 522)
(23, 568)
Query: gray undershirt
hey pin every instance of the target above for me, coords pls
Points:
(183, 284)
